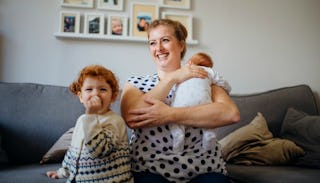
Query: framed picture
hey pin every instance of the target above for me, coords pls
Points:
(94, 23)
(69, 22)
(142, 14)
(110, 5)
(184, 18)
(77, 3)
(117, 25)
(181, 4)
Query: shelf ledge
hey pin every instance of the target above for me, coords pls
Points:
(107, 37)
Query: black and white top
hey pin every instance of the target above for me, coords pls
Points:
(152, 147)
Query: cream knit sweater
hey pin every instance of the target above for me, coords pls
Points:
(99, 150)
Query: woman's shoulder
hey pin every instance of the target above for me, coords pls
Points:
(145, 78)
(144, 83)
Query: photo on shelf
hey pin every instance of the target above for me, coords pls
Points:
(77, 3)
(117, 25)
(69, 22)
(94, 23)
(179, 4)
(142, 14)
(184, 18)
(110, 5)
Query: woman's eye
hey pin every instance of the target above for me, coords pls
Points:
(165, 40)
(152, 43)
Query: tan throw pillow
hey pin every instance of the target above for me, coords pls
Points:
(254, 144)
(58, 150)
(274, 151)
(256, 130)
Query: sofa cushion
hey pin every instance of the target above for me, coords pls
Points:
(273, 105)
(274, 174)
(3, 154)
(31, 173)
(58, 150)
(33, 117)
(254, 144)
(304, 130)
(256, 130)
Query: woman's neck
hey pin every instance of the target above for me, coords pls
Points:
(163, 74)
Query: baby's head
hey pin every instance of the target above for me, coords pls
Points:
(201, 59)
(99, 72)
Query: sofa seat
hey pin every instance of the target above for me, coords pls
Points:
(274, 174)
(31, 173)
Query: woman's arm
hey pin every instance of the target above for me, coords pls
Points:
(222, 111)
(132, 98)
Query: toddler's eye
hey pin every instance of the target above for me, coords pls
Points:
(103, 89)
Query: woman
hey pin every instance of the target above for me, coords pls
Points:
(145, 106)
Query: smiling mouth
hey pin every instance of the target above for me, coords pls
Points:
(162, 56)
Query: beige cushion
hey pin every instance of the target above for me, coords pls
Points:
(254, 144)
(256, 130)
(58, 150)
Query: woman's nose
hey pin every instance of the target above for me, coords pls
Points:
(159, 46)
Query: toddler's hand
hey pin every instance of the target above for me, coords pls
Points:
(52, 174)
(93, 105)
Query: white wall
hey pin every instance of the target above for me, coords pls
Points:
(258, 45)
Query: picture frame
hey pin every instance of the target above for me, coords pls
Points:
(116, 5)
(94, 23)
(142, 14)
(69, 22)
(117, 25)
(185, 18)
(179, 4)
(77, 3)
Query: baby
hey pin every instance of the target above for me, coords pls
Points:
(196, 91)
(99, 150)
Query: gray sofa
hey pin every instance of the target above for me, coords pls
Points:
(34, 116)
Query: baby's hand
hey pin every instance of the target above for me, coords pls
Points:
(52, 174)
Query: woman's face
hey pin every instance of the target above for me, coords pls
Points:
(165, 48)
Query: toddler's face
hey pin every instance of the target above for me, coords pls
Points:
(96, 91)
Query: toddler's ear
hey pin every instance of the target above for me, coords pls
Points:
(80, 97)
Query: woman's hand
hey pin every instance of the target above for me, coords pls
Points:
(188, 71)
(155, 115)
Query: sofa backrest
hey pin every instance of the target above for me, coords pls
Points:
(273, 105)
(33, 117)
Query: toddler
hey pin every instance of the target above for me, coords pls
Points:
(196, 91)
(99, 150)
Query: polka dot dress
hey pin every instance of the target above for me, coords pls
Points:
(152, 147)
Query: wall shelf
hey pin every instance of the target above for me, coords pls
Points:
(82, 36)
